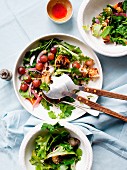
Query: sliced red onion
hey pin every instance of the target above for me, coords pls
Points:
(32, 59)
(121, 14)
(40, 54)
(97, 21)
(34, 93)
(37, 102)
(29, 90)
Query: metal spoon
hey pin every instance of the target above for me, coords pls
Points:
(59, 90)
(62, 100)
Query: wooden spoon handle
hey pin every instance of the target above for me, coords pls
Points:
(98, 107)
(105, 93)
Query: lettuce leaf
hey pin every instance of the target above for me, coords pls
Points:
(96, 28)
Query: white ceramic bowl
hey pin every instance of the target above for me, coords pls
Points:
(88, 10)
(28, 145)
(39, 111)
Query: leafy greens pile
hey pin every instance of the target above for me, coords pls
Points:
(111, 24)
(55, 150)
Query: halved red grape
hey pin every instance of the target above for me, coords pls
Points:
(53, 50)
(24, 87)
(21, 70)
(36, 83)
(43, 58)
(89, 63)
(27, 78)
(50, 56)
(39, 66)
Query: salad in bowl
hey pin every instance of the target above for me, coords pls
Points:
(111, 24)
(103, 26)
(59, 146)
(44, 59)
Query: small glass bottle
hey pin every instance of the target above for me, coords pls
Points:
(5, 74)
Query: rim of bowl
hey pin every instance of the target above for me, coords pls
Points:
(86, 39)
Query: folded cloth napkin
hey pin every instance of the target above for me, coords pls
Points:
(108, 136)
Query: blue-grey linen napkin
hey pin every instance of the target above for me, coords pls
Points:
(110, 152)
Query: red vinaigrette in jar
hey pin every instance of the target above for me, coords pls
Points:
(59, 11)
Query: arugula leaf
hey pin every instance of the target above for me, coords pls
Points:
(84, 58)
(122, 31)
(52, 115)
(106, 31)
(44, 86)
(69, 99)
(67, 146)
(76, 71)
(79, 153)
(124, 6)
(46, 104)
(62, 50)
(119, 41)
(50, 127)
(72, 48)
(25, 94)
(66, 110)
(68, 161)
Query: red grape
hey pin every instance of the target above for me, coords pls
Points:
(76, 64)
(24, 87)
(39, 66)
(50, 56)
(21, 70)
(27, 78)
(43, 58)
(89, 63)
(53, 50)
(36, 83)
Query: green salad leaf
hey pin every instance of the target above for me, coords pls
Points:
(113, 22)
(26, 94)
(125, 6)
(106, 31)
(53, 151)
(44, 86)
(96, 28)
(46, 104)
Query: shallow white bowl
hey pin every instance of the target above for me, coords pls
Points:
(88, 10)
(39, 111)
(28, 145)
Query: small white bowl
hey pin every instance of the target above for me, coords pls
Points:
(88, 10)
(28, 145)
(65, 3)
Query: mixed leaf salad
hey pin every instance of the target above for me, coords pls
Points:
(111, 24)
(53, 57)
(56, 150)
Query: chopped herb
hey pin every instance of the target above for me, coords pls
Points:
(44, 86)
(46, 104)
